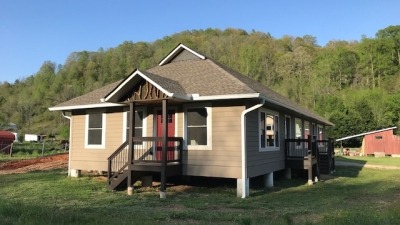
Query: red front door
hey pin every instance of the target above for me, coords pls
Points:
(171, 133)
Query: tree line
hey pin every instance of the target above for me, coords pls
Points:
(355, 84)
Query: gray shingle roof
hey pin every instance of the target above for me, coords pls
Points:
(93, 97)
(204, 77)
(171, 86)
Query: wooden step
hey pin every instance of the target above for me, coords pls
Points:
(119, 181)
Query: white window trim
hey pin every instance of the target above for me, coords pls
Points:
(267, 148)
(103, 131)
(209, 128)
(125, 123)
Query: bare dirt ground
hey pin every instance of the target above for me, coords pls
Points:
(40, 163)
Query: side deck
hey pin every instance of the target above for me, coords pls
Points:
(316, 156)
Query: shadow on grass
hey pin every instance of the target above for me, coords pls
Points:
(356, 164)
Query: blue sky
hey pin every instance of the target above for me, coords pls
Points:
(32, 32)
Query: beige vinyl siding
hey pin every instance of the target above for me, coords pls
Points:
(224, 159)
(259, 163)
(95, 159)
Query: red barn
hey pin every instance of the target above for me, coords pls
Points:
(6, 139)
(381, 141)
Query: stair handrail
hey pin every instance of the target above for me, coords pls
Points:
(110, 175)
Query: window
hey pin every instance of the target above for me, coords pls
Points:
(138, 123)
(320, 132)
(306, 129)
(140, 129)
(287, 127)
(378, 137)
(95, 130)
(299, 128)
(198, 128)
(269, 130)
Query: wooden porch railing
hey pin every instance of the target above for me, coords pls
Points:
(298, 148)
(149, 149)
(118, 162)
(145, 149)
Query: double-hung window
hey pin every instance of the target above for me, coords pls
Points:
(139, 124)
(198, 128)
(95, 130)
(269, 130)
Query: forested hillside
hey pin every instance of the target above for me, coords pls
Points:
(356, 85)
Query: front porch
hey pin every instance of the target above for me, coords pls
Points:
(146, 158)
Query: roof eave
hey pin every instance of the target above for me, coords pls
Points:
(87, 106)
(197, 97)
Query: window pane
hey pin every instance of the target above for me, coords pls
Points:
(287, 127)
(298, 128)
(94, 137)
(197, 117)
(269, 130)
(138, 132)
(197, 135)
(306, 129)
(139, 119)
(262, 138)
(262, 129)
(269, 124)
(95, 120)
(276, 125)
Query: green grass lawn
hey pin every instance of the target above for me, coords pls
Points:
(351, 196)
(386, 161)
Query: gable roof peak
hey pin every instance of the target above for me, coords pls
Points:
(176, 51)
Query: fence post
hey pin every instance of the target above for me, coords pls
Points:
(43, 147)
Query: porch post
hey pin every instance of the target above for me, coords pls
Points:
(163, 194)
(130, 136)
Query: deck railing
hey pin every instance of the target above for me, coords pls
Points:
(309, 149)
(149, 149)
(145, 149)
(298, 148)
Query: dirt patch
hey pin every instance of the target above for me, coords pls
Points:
(40, 163)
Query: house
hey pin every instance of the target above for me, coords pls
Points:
(192, 117)
(382, 142)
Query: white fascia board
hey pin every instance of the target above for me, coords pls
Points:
(90, 106)
(196, 97)
(120, 86)
(169, 94)
(134, 74)
(172, 54)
